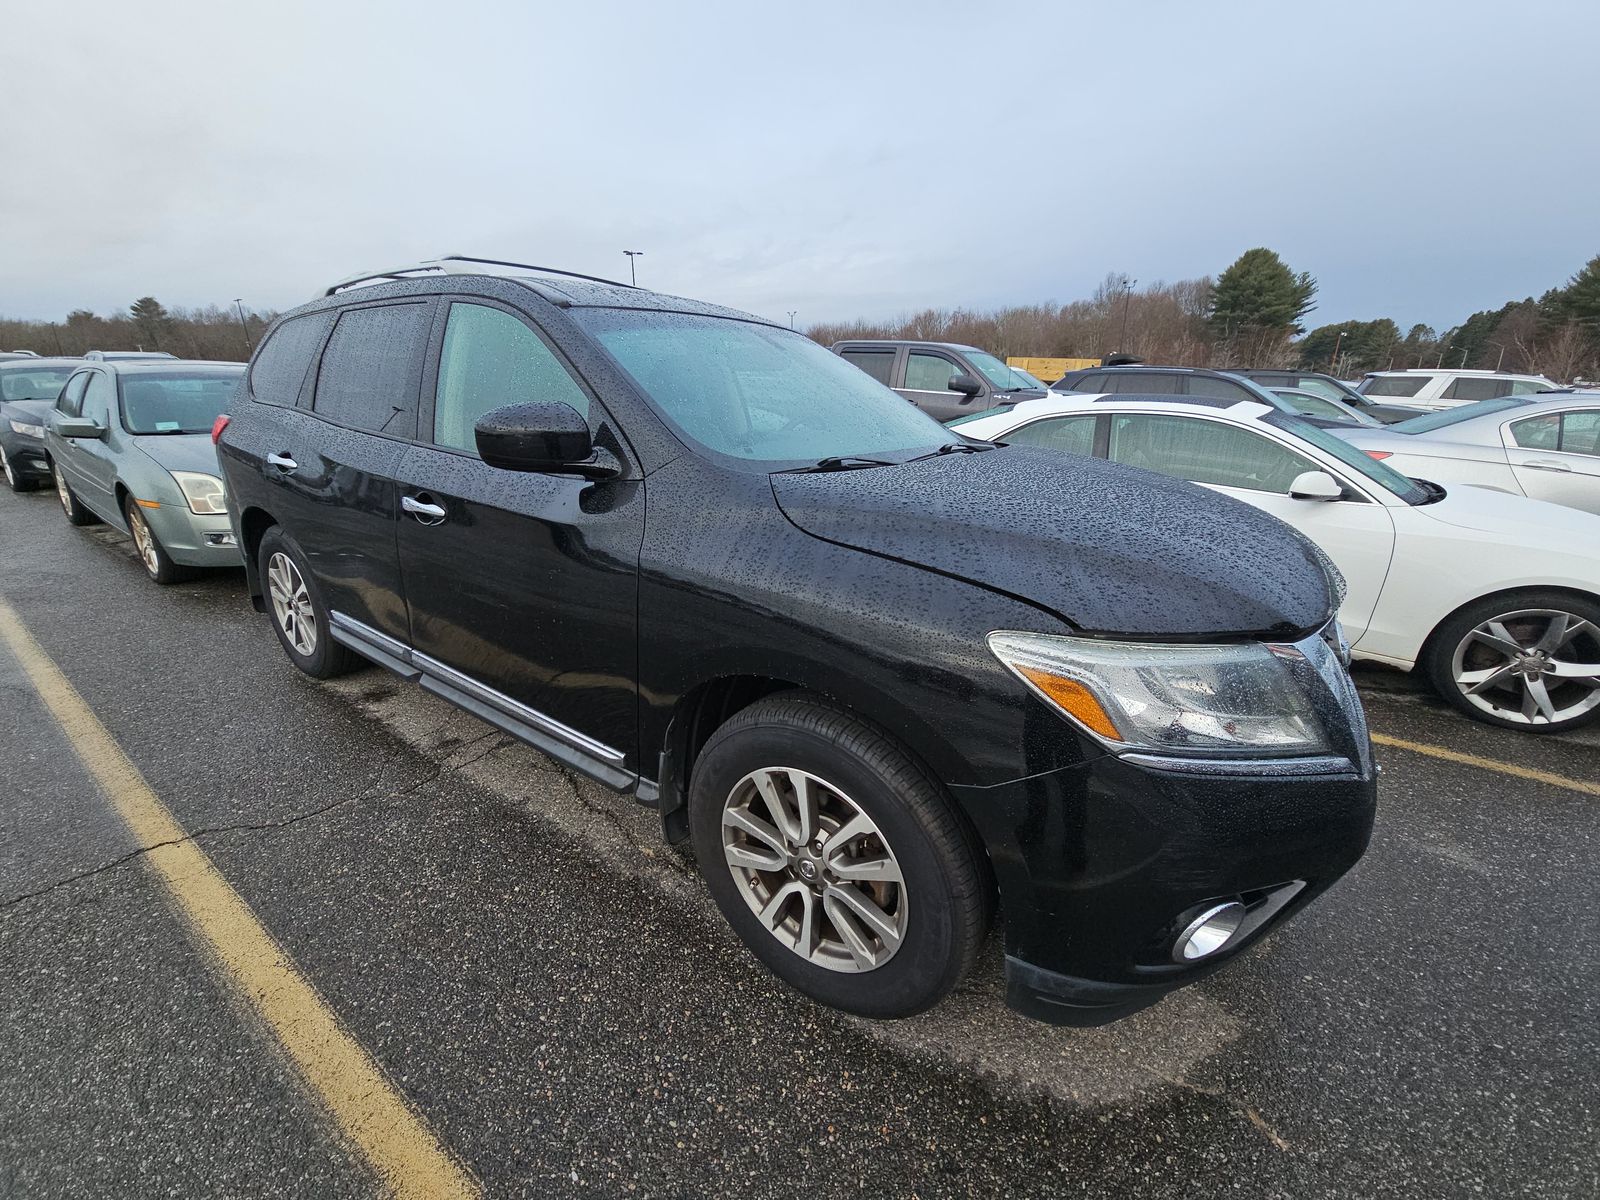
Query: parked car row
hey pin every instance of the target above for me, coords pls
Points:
(884, 677)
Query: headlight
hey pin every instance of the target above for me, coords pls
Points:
(203, 492)
(1243, 698)
(31, 430)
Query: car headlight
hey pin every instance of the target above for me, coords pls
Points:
(1240, 697)
(30, 430)
(203, 492)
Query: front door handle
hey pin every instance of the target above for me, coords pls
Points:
(422, 509)
(282, 461)
(1548, 466)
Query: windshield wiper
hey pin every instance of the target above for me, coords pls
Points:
(839, 462)
(955, 448)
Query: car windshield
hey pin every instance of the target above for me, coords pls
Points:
(32, 383)
(1331, 388)
(1357, 460)
(758, 394)
(996, 372)
(1317, 406)
(176, 402)
(1029, 378)
(1454, 416)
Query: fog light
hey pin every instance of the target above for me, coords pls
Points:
(1209, 932)
(220, 539)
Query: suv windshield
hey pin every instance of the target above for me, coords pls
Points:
(176, 403)
(756, 393)
(1454, 416)
(1358, 461)
(32, 383)
(996, 372)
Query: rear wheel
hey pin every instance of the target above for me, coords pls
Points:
(299, 617)
(77, 514)
(157, 562)
(836, 858)
(1528, 660)
(13, 480)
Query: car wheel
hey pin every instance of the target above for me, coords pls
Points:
(1529, 661)
(157, 562)
(299, 617)
(77, 514)
(837, 859)
(16, 482)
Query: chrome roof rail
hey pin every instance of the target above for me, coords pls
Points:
(459, 264)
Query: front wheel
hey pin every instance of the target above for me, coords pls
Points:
(836, 858)
(157, 562)
(1528, 660)
(13, 480)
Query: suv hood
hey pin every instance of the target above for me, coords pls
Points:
(1109, 549)
(181, 451)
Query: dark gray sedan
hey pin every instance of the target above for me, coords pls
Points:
(28, 390)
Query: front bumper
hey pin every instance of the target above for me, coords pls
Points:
(1102, 865)
(26, 455)
(192, 539)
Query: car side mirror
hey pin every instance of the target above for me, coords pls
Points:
(542, 435)
(1315, 485)
(80, 427)
(965, 384)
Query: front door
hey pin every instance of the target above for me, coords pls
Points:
(522, 582)
(926, 384)
(90, 462)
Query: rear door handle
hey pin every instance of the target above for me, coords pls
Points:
(1548, 466)
(423, 510)
(282, 461)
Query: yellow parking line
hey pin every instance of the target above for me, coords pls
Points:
(1490, 764)
(369, 1110)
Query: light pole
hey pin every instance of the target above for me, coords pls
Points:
(792, 312)
(632, 273)
(244, 325)
(1127, 299)
(1333, 363)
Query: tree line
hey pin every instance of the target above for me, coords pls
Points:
(1251, 315)
(215, 332)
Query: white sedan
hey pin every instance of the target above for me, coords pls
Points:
(1495, 597)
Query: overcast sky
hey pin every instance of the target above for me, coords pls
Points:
(1422, 160)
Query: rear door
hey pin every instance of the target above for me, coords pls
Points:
(926, 384)
(521, 582)
(331, 471)
(1358, 535)
(877, 361)
(1556, 457)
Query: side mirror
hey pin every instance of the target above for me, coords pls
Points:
(541, 435)
(1315, 485)
(79, 427)
(965, 384)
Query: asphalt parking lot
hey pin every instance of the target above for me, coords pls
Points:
(551, 1003)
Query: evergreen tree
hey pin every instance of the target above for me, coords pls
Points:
(151, 320)
(1259, 295)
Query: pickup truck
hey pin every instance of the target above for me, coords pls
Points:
(943, 379)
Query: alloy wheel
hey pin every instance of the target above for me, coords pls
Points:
(1534, 666)
(291, 604)
(815, 869)
(144, 541)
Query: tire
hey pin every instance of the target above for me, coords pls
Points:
(1508, 661)
(153, 555)
(13, 480)
(938, 909)
(77, 513)
(299, 616)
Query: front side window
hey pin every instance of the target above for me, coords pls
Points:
(1392, 385)
(99, 397)
(491, 359)
(280, 365)
(70, 402)
(37, 383)
(368, 377)
(176, 402)
(757, 393)
(877, 363)
(1204, 451)
(1075, 435)
(929, 372)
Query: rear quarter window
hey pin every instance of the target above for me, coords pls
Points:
(278, 371)
(1394, 385)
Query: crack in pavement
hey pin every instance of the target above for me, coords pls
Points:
(261, 826)
(1248, 1112)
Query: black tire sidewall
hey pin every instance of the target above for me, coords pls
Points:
(927, 964)
(328, 658)
(1442, 647)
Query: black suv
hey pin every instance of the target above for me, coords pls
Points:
(946, 380)
(1319, 384)
(883, 676)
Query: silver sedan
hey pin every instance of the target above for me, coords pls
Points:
(1545, 445)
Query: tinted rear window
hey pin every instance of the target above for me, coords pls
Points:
(1393, 385)
(877, 363)
(280, 365)
(368, 377)
(1478, 387)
